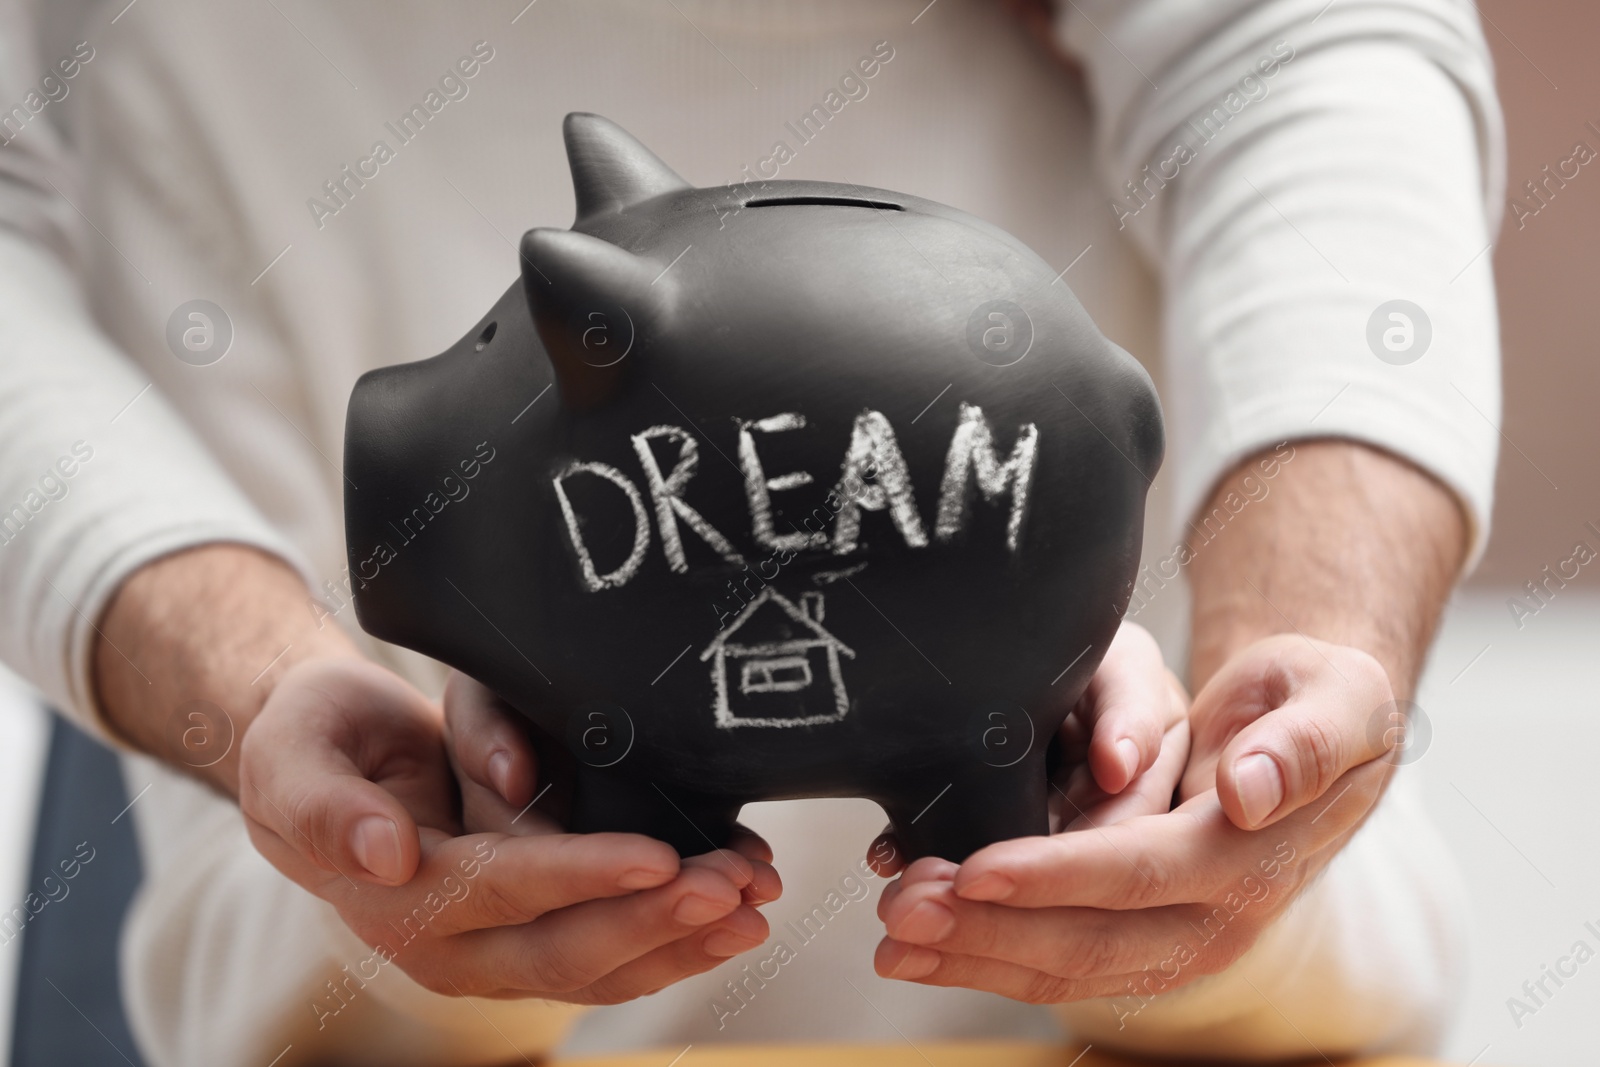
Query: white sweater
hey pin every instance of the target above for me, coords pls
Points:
(1307, 162)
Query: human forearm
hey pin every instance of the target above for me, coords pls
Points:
(1349, 545)
(1318, 581)
(1317, 586)
(218, 623)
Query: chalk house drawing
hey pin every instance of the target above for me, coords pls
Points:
(786, 670)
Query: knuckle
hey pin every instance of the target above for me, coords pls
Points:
(1098, 954)
(304, 820)
(1319, 753)
(615, 988)
(1042, 988)
(554, 970)
(498, 907)
(1150, 883)
(606, 992)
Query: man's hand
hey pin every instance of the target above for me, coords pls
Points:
(1180, 895)
(347, 789)
(1282, 723)
(1345, 550)
(217, 660)
(498, 774)
(1127, 740)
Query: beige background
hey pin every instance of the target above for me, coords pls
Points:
(1508, 768)
(1549, 275)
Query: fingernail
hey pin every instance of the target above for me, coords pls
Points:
(989, 886)
(916, 963)
(929, 923)
(500, 773)
(725, 943)
(1129, 753)
(375, 841)
(933, 868)
(741, 869)
(1260, 787)
(697, 911)
(643, 878)
(765, 887)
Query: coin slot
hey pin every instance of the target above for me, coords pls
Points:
(835, 201)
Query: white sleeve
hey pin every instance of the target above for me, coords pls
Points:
(98, 474)
(1309, 162)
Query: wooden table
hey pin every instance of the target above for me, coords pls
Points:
(966, 1054)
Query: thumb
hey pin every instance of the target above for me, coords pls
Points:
(495, 764)
(1320, 727)
(336, 770)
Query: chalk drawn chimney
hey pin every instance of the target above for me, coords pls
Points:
(811, 604)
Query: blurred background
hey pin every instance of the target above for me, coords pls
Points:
(1509, 705)
(1547, 265)
(1513, 709)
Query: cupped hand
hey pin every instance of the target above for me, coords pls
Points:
(498, 773)
(346, 786)
(1131, 717)
(1148, 900)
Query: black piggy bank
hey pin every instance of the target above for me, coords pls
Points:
(771, 490)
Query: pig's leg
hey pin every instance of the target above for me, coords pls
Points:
(603, 802)
(954, 814)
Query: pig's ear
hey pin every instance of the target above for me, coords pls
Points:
(611, 170)
(593, 305)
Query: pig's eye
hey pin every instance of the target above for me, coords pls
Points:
(835, 201)
(485, 337)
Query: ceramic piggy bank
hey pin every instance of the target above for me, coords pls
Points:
(763, 491)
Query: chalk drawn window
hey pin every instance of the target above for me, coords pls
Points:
(778, 674)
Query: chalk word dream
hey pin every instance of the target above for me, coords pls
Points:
(873, 450)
